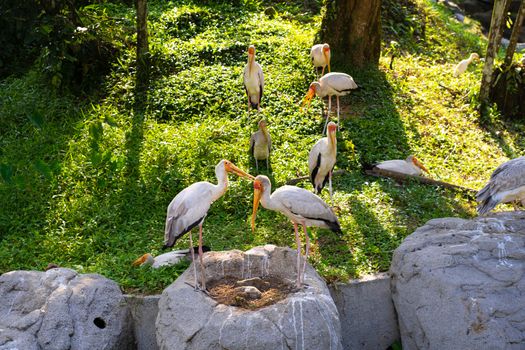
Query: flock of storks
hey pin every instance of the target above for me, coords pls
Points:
(190, 206)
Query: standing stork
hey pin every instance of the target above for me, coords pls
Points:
(410, 166)
(320, 55)
(190, 206)
(338, 84)
(302, 207)
(506, 184)
(321, 160)
(462, 66)
(261, 144)
(253, 79)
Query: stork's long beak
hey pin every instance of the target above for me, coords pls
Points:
(141, 260)
(257, 192)
(233, 169)
(327, 59)
(308, 98)
(420, 165)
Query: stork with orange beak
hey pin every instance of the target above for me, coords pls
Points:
(190, 206)
(321, 160)
(320, 55)
(302, 207)
(338, 84)
(261, 144)
(410, 166)
(253, 79)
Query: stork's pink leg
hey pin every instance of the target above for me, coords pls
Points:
(298, 242)
(194, 262)
(338, 122)
(203, 274)
(307, 250)
(328, 113)
(330, 186)
(322, 72)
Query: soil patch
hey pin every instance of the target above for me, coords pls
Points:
(228, 291)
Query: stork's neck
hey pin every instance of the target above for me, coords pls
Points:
(251, 59)
(266, 200)
(222, 184)
(332, 140)
(265, 133)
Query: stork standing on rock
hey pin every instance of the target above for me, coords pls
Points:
(338, 84)
(190, 206)
(302, 207)
(320, 55)
(253, 79)
(321, 160)
(410, 166)
(462, 66)
(261, 144)
(506, 184)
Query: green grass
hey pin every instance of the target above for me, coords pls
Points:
(86, 184)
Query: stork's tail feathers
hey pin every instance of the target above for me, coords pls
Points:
(487, 205)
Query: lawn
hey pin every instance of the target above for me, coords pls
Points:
(85, 183)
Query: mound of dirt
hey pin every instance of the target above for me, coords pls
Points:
(244, 293)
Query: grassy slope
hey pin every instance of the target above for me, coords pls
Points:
(87, 187)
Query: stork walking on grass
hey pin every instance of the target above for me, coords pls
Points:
(331, 84)
(253, 79)
(190, 206)
(261, 144)
(462, 66)
(410, 166)
(321, 160)
(506, 184)
(320, 55)
(302, 207)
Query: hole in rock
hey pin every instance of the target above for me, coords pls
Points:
(100, 323)
(241, 293)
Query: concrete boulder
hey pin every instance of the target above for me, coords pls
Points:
(61, 309)
(459, 284)
(307, 319)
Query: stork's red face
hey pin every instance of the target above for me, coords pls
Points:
(309, 95)
(332, 128)
(142, 259)
(251, 50)
(419, 165)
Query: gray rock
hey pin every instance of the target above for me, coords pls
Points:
(248, 292)
(61, 309)
(459, 284)
(307, 319)
(366, 310)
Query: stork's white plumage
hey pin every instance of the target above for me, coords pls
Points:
(462, 66)
(321, 160)
(302, 207)
(506, 184)
(261, 144)
(190, 206)
(338, 84)
(166, 259)
(253, 79)
(410, 166)
(320, 55)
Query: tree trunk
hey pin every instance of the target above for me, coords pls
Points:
(352, 28)
(142, 75)
(515, 34)
(496, 29)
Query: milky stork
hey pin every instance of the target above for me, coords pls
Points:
(338, 84)
(261, 144)
(462, 66)
(253, 79)
(190, 206)
(320, 55)
(410, 166)
(166, 259)
(506, 184)
(302, 207)
(321, 160)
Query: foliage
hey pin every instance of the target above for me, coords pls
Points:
(86, 185)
